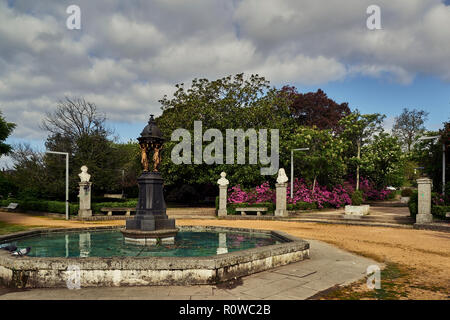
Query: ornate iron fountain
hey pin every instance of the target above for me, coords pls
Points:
(150, 225)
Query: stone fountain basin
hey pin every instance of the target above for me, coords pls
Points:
(50, 272)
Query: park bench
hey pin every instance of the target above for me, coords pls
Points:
(12, 206)
(111, 210)
(258, 210)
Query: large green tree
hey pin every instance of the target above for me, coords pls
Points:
(233, 102)
(358, 130)
(383, 161)
(6, 128)
(323, 162)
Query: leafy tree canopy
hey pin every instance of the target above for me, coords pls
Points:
(6, 128)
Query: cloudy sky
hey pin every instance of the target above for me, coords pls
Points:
(128, 54)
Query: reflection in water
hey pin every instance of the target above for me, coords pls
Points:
(67, 245)
(111, 244)
(222, 243)
(85, 244)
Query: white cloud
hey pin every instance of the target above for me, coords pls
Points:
(129, 54)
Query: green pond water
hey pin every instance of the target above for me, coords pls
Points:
(111, 244)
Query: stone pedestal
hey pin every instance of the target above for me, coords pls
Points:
(223, 187)
(424, 203)
(151, 224)
(222, 201)
(280, 210)
(85, 199)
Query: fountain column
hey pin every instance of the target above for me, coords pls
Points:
(150, 225)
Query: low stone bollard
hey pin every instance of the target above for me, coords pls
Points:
(361, 210)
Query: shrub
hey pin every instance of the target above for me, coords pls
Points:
(302, 206)
(440, 211)
(357, 198)
(391, 195)
(413, 203)
(407, 192)
(43, 205)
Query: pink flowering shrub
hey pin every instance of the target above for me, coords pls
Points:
(262, 193)
(370, 192)
(336, 197)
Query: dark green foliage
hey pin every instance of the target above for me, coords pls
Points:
(440, 211)
(59, 206)
(357, 198)
(7, 186)
(302, 206)
(6, 128)
(42, 206)
(413, 203)
(407, 192)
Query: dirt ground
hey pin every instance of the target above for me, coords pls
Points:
(421, 258)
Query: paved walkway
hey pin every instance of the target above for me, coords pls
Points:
(328, 266)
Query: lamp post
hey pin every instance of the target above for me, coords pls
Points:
(292, 168)
(443, 159)
(67, 179)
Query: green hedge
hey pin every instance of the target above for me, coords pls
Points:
(302, 206)
(440, 211)
(60, 207)
(42, 206)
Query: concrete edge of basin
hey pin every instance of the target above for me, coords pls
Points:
(34, 272)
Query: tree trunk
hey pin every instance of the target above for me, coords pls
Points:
(358, 156)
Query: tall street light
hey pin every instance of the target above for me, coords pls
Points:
(443, 159)
(67, 179)
(292, 168)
